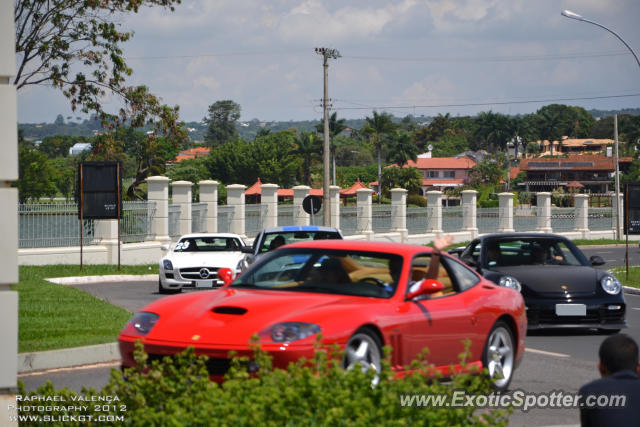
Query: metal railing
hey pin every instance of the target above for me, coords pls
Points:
(174, 221)
(198, 217)
(49, 225)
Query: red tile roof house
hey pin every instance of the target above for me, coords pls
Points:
(192, 153)
(592, 171)
(439, 173)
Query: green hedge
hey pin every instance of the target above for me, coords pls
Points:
(177, 392)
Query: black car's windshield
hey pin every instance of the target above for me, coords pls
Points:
(274, 240)
(531, 251)
(324, 271)
(208, 244)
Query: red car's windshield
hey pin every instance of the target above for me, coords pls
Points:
(313, 270)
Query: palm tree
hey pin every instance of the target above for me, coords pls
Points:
(402, 149)
(308, 147)
(377, 128)
(335, 127)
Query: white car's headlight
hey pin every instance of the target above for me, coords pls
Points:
(611, 285)
(290, 331)
(510, 282)
(167, 265)
(242, 264)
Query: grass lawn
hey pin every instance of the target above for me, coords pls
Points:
(57, 316)
(634, 276)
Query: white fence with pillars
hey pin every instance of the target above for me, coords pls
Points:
(464, 223)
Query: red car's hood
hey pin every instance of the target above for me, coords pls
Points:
(232, 316)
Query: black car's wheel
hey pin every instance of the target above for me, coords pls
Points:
(499, 355)
(363, 351)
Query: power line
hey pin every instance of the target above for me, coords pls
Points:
(394, 58)
(479, 104)
(489, 58)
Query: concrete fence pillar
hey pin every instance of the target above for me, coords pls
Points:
(505, 213)
(581, 203)
(300, 217)
(364, 217)
(235, 199)
(106, 232)
(543, 202)
(209, 196)
(399, 213)
(334, 196)
(8, 216)
(619, 214)
(470, 212)
(269, 205)
(182, 197)
(158, 193)
(434, 212)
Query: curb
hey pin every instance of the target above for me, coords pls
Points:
(68, 357)
(630, 290)
(81, 280)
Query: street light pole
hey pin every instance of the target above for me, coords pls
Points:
(572, 15)
(577, 17)
(326, 197)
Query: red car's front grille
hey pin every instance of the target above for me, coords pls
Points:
(215, 365)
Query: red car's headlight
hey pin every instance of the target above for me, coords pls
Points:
(289, 331)
(141, 323)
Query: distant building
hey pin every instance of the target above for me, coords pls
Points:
(574, 146)
(593, 172)
(439, 173)
(191, 153)
(78, 148)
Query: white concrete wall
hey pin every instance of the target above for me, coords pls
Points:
(8, 213)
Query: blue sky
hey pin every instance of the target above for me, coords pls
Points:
(405, 57)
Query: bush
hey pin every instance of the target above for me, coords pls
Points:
(177, 391)
(416, 200)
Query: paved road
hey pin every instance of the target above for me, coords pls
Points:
(555, 360)
(614, 256)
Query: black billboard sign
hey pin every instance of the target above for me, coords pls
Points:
(632, 208)
(99, 185)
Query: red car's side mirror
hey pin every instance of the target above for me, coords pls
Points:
(426, 287)
(226, 275)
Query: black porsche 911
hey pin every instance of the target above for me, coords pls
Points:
(560, 286)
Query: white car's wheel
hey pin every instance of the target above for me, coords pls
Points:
(165, 291)
(499, 355)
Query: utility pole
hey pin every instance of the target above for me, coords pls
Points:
(326, 199)
(617, 181)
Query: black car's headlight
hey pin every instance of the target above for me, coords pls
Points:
(611, 285)
(167, 265)
(510, 282)
(141, 323)
(289, 331)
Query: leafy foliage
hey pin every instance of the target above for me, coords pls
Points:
(221, 123)
(37, 175)
(75, 46)
(408, 178)
(177, 391)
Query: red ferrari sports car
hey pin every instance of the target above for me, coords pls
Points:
(360, 295)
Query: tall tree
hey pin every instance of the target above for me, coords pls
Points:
(36, 175)
(221, 123)
(377, 129)
(308, 147)
(402, 149)
(76, 46)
